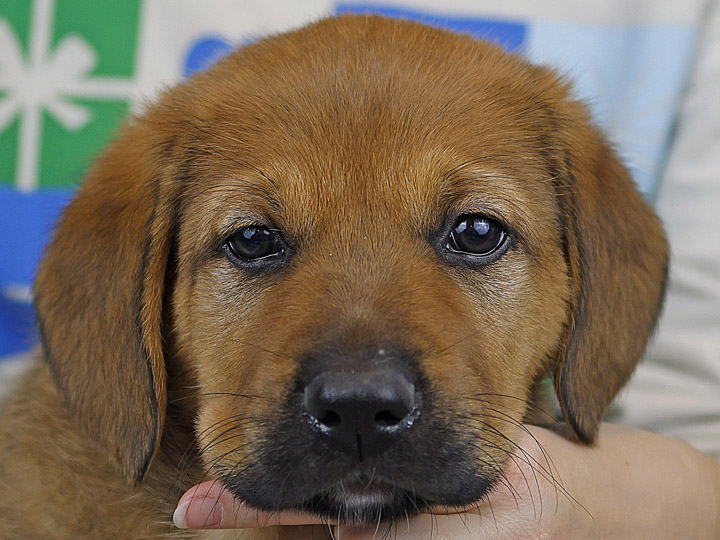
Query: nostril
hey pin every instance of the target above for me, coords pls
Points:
(329, 418)
(387, 418)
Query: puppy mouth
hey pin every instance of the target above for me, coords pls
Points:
(361, 495)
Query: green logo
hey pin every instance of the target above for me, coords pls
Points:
(66, 79)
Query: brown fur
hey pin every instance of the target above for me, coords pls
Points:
(358, 138)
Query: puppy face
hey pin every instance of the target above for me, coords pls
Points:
(372, 262)
(364, 242)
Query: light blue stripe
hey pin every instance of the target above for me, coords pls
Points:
(631, 76)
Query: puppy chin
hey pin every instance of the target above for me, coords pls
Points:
(368, 506)
(360, 502)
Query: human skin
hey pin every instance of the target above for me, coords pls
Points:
(632, 484)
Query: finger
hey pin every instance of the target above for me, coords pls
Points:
(211, 506)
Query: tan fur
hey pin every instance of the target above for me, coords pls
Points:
(356, 137)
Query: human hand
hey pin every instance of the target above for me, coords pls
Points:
(633, 484)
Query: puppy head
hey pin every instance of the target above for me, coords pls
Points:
(366, 240)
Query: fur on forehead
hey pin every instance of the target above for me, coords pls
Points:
(301, 126)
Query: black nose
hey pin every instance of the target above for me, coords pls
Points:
(361, 413)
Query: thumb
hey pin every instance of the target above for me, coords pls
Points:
(210, 505)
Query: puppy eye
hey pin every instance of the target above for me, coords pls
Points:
(476, 235)
(254, 243)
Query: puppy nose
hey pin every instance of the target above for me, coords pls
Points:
(361, 413)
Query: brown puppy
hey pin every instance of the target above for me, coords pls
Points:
(330, 272)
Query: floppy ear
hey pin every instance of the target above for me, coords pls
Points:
(99, 299)
(617, 257)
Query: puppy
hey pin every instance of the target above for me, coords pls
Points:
(331, 272)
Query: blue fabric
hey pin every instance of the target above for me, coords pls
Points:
(508, 34)
(204, 52)
(26, 220)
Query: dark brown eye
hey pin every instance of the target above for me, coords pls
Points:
(476, 235)
(254, 243)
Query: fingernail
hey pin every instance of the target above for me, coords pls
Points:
(198, 513)
(179, 515)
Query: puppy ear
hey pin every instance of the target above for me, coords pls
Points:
(616, 254)
(99, 299)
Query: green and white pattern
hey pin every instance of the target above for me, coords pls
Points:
(66, 71)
